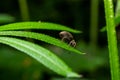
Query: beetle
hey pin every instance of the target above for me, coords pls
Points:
(68, 38)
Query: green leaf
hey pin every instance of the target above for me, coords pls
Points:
(36, 25)
(41, 37)
(41, 54)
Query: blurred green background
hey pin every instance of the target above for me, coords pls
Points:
(84, 15)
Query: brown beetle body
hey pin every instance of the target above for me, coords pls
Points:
(68, 38)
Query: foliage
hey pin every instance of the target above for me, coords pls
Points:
(77, 14)
(36, 25)
(39, 53)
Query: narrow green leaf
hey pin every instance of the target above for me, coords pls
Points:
(36, 25)
(41, 37)
(41, 54)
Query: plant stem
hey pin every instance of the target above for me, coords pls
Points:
(24, 10)
(94, 23)
(112, 42)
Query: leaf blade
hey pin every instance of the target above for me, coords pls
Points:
(36, 25)
(41, 37)
(42, 55)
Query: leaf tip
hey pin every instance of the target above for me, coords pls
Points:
(83, 53)
(74, 75)
(78, 31)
